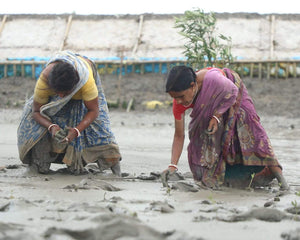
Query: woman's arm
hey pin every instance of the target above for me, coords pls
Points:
(226, 93)
(53, 128)
(91, 115)
(178, 141)
(93, 112)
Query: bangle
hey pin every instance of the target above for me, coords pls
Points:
(51, 125)
(77, 131)
(174, 166)
(218, 120)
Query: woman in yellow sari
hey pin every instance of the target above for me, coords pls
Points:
(66, 120)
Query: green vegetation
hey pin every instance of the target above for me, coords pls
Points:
(204, 46)
(250, 183)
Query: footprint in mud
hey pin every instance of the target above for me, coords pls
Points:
(293, 210)
(264, 214)
(163, 207)
(292, 235)
(13, 231)
(93, 184)
(108, 226)
(4, 206)
(184, 186)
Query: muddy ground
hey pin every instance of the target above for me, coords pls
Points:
(137, 206)
(275, 97)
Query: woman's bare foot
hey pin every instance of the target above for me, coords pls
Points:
(277, 172)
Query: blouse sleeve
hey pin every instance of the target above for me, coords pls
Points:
(42, 92)
(89, 90)
(179, 109)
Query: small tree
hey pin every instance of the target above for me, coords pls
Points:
(204, 45)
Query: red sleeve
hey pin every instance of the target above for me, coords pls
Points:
(221, 71)
(179, 109)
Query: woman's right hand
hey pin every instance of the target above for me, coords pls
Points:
(172, 169)
(54, 129)
(166, 173)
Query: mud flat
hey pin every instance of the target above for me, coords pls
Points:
(137, 206)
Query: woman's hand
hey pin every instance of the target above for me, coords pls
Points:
(165, 174)
(170, 170)
(53, 129)
(213, 125)
(72, 134)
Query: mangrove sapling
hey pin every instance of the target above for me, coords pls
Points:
(250, 183)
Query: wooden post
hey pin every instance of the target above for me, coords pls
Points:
(272, 27)
(33, 71)
(138, 39)
(129, 105)
(3, 23)
(295, 70)
(66, 33)
(5, 70)
(251, 70)
(259, 71)
(121, 52)
(22, 70)
(142, 68)
(15, 70)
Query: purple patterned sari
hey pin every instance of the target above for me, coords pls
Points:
(240, 139)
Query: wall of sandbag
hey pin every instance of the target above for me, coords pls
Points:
(254, 36)
(264, 45)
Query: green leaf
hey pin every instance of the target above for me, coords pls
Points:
(202, 42)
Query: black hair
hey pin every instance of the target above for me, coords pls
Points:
(63, 77)
(180, 78)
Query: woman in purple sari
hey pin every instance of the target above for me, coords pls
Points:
(228, 144)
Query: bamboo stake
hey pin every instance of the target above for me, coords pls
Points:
(5, 70)
(33, 71)
(3, 23)
(268, 71)
(66, 33)
(142, 68)
(259, 71)
(15, 70)
(272, 26)
(276, 70)
(22, 70)
(295, 70)
(251, 70)
(129, 105)
(120, 75)
(138, 39)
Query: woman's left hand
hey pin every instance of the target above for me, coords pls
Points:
(212, 126)
(72, 134)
